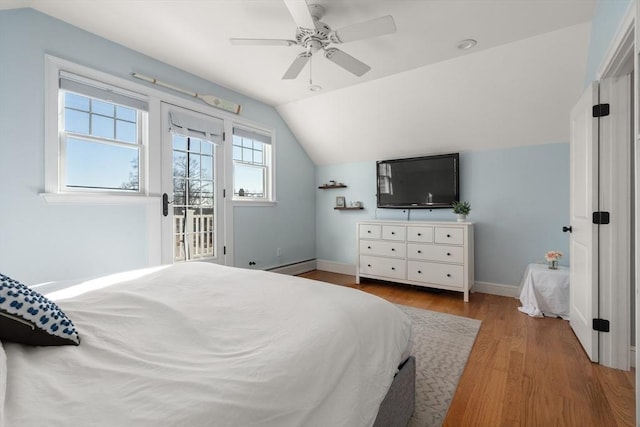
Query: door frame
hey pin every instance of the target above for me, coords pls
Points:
(167, 233)
(615, 172)
(615, 175)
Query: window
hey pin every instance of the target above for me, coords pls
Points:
(102, 133)
(252, 169)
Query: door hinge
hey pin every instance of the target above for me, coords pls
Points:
(601, 325)
(601, 110)
(601, 217)
(224, 250)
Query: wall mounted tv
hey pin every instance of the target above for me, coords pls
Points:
(420, 182)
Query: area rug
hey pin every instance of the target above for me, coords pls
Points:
(442, 344)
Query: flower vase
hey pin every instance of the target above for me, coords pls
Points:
(553, 264)
(461, 217)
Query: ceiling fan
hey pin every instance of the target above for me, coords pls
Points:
(314, 35)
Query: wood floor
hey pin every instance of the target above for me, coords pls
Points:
(522, 371)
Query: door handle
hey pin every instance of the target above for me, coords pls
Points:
(165, 204)
(565, 229)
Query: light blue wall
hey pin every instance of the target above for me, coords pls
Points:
(41, 242)
(519, 199)
(607, 18)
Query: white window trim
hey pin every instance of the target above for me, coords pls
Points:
(53, 185)
(271, 200)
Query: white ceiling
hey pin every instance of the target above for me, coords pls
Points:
(422, 95)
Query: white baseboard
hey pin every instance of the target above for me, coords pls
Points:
(496, 289)
(336, 267)
(632, 356)
(296, 268)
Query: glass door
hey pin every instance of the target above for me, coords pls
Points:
(193, 226)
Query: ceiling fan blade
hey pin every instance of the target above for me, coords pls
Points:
(262, 42)
(364, 30)
(300, 13)
(346, 61)
(296, 66)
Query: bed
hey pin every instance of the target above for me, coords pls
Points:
(197, 344)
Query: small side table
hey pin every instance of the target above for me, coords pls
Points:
(545, 292)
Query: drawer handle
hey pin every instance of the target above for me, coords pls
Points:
(448, 253)
(419, 234)
(393, 232)
(368, 265)
(369, 247)
(393, 268)
(419, 271)
(448, 235)
(419, 251)
(393, 249)
(448, 275)
(369, 231)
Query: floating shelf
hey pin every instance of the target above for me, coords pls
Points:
(348, 208)
(328, 187)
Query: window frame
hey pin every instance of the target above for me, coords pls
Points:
(269, 166)
(56, 190)
(140, 145)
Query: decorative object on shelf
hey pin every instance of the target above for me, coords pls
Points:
(241, 192)
(341, 202)
(332, 184)
(552, 258)
(461, 209)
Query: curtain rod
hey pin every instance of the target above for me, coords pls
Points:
(214, 101)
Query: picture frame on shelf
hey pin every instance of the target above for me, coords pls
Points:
(341, 202)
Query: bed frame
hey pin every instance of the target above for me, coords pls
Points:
(397, 407)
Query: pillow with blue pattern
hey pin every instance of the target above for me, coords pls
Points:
(28, 317)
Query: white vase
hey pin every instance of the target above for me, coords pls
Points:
(461, 217)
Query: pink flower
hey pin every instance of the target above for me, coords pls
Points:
(553, 255)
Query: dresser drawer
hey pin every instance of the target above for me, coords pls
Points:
(383, 267)
(420, 234)
(440, 274)
(370, 231)
(389, 249)
(394, 232)
(449, 235)
(420, 251)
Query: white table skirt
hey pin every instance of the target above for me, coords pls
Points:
(545, 292)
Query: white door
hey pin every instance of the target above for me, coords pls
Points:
(192, 176)
(584, 235)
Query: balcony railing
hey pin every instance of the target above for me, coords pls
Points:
(193, 236)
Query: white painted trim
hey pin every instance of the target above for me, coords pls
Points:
(336, 267)
(96, 199)
(632, 356)
(620, 42)
(297, 268)
(496, 289)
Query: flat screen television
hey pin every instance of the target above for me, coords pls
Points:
(420, 182)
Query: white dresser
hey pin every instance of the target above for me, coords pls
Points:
(431, 254)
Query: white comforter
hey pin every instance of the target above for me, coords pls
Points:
(202, 345)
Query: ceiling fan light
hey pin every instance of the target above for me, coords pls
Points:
(467, 44)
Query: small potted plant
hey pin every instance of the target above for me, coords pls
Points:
(461, 209)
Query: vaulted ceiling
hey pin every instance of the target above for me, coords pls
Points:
(422, 95)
